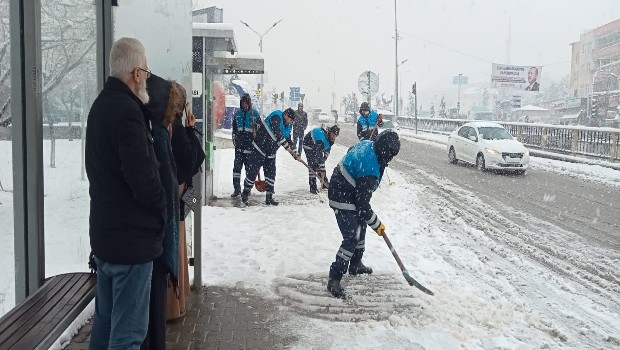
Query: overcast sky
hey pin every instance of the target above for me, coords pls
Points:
(440, 38)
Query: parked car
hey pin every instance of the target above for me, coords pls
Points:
(488, 146)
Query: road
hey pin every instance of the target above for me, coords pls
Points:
(588, 209)
(566, 224)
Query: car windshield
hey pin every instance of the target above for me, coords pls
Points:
(494, 133)
(388, 123)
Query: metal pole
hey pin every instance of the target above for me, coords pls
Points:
(416, 108)
(82, 128)
(262, 87)
(458, 110)
(27, 135)
(368, 95)
(396, 61)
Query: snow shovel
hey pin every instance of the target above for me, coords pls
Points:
(314, 172)
(260, 184)
(410, 280)
(390, 182)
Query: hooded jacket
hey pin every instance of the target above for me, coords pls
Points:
(159, 107)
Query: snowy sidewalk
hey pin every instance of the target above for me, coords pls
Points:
(283, 254)
(265, 270)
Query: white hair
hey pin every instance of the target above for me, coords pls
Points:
(126, 55)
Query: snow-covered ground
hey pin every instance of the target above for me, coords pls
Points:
(586, 172)
(488, 293)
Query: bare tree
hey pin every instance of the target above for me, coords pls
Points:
(67, 42)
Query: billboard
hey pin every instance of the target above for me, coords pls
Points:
(526, 78)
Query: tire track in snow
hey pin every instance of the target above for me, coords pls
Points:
(446, 199)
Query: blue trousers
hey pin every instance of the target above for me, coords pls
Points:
(353, 230)
(121, 306)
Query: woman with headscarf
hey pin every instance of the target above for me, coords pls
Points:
(162, 108)
(188, 155)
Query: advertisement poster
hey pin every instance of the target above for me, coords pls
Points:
(525, 78)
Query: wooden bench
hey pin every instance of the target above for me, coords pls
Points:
(42, 318)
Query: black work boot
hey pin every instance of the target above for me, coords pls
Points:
(269, 199)
(359, 269)
(334, 287)
(236, 193)
(244, 196)
(313, 188)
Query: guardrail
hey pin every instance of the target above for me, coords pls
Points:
(599, 143)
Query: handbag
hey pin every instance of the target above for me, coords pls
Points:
(191, 198)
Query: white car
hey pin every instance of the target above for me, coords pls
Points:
(324, 118)
(349, 118)
(389, 121)
(488, 146)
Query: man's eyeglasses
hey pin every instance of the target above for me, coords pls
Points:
(148, 72)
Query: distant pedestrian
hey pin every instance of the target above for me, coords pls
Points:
(299, 127)
(127, 200)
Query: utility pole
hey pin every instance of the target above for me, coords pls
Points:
(415, 96)
(260, 45)
(458, 109)
(396, 61)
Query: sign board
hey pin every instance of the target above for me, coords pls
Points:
(294, 93)
(196, 85)
(526, 78)
(464, 80)
(368, 84)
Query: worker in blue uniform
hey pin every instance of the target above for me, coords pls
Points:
(273, 132)
(353, 182)
(243, 129)
(317, 145)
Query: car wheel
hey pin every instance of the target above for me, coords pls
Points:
(480, 162)
(521, 172)
(452, 156)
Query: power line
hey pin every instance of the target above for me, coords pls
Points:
(466, 54)
(446, 48)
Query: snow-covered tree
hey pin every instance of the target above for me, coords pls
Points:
(442, 108)
(68, 55)
(411, 106)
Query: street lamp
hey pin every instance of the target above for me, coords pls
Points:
(396, 60)
(260, 45)
(458, 105)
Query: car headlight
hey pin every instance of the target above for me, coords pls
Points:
(492, 152)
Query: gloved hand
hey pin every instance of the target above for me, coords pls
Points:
(379, 230)
(295, 154)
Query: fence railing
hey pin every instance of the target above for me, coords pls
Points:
(572, 140)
